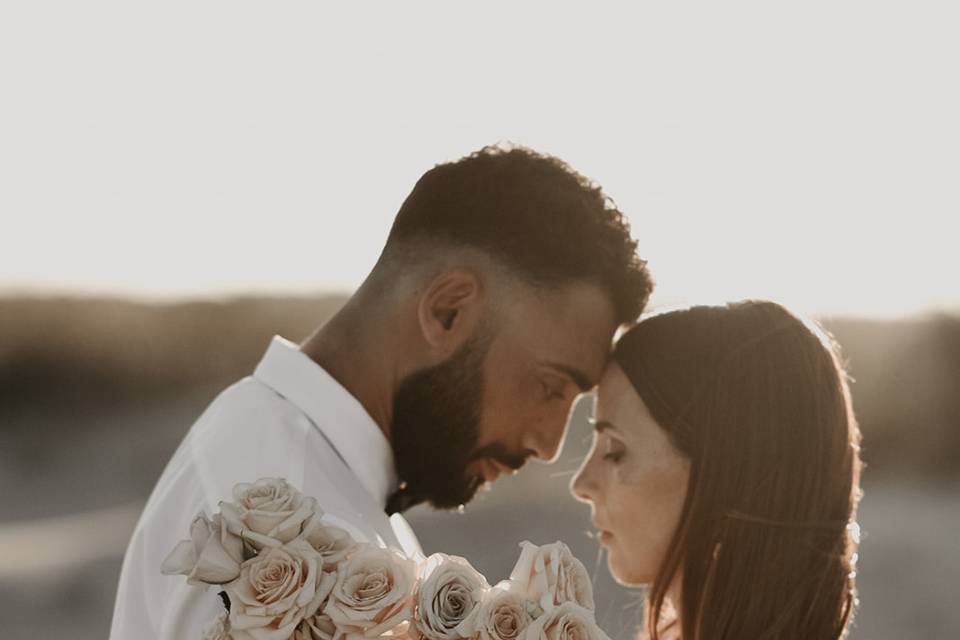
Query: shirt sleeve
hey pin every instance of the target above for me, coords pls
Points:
(241, 436)
(150, 605)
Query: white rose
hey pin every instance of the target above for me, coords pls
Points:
(212, 555)
(218, 629)
(373, 593)
(448, 594)
(276, 590)
(550, 575)
(568, 621)
(501, 615)
(332, 543)
(268, 512)
(318, 627)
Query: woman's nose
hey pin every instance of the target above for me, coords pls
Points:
(582, 486)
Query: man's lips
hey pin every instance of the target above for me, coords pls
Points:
(491, 470)
(488, 470)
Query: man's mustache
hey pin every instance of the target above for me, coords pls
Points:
(496, 451)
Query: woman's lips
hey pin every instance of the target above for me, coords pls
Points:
(603, 535)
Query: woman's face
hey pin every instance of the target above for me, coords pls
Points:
(634, 480)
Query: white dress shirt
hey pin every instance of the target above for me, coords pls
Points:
(290, 420)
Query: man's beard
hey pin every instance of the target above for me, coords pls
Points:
(436, 427)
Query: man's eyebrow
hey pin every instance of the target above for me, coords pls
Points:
(582, 380)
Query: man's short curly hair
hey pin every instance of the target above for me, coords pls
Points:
(533, 212)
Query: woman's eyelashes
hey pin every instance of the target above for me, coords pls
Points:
(615, 451)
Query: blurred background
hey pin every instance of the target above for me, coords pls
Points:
(182, 181)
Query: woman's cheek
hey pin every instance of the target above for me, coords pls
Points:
(642, 504)
(625, 558)
(621, 509)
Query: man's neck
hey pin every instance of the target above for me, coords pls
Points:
(350, 352)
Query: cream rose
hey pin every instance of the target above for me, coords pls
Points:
(269, 512)
(568, 621)
(550, 575)
(501, 615)
(276, 590)
(332, 543)
(218, 629)
(318, 627)
(373, 593)
(212, 555)
(448, 594)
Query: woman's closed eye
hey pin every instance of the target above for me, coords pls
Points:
(615, 450)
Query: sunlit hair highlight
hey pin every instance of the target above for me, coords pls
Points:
(758, 401)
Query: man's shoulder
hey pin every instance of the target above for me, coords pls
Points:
(248, 431)
(246, 414)
(243, 427)
(246, 400)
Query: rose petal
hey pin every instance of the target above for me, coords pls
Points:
(373, 591)
(180, 561)
(215, 565)
(218, 629)
(276, 590)
(501, 615)
(568, 621)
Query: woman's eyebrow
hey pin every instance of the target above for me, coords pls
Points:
(602, 425)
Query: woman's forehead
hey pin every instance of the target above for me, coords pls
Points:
(618, 400)
(614, 390)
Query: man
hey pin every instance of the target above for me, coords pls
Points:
(491, 308)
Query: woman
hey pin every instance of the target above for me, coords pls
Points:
(724, 473)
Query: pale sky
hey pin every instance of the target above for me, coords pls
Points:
(807, 152)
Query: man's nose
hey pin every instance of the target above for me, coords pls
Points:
(546, 442)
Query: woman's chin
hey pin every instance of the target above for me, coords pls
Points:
(625, 575)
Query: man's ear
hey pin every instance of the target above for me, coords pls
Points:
(450, 309)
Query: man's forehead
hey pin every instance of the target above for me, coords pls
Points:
(579, 306)
(569, 329)
(584, 380)
(582, 361)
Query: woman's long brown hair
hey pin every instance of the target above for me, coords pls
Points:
(758, 401)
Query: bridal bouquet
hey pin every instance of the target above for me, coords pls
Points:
(285, 575)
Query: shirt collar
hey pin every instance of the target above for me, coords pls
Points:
(335, 412)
